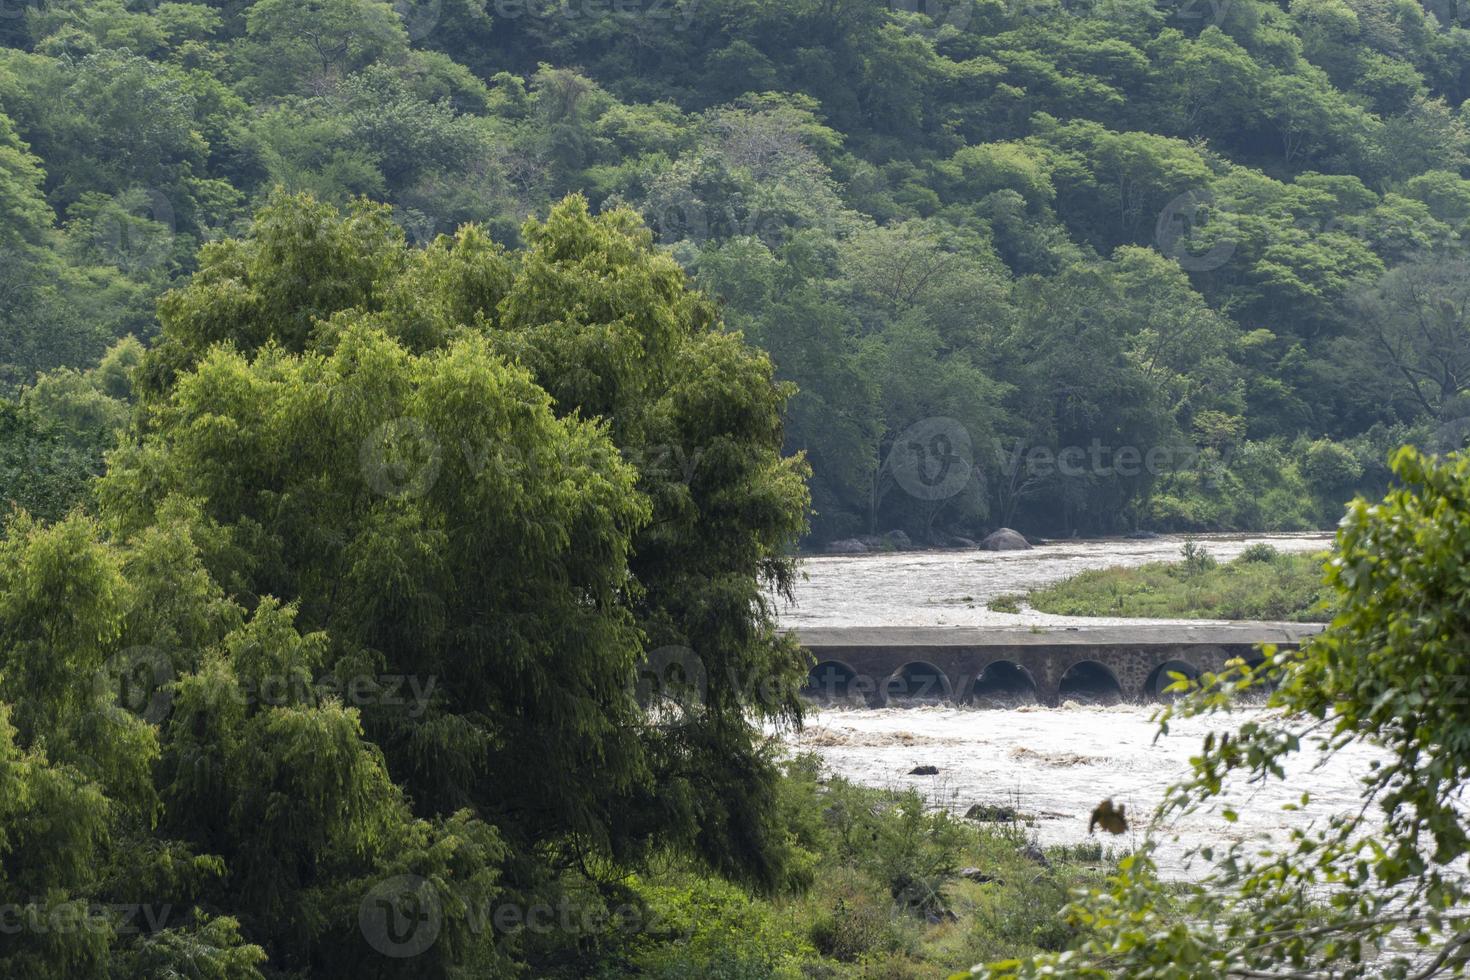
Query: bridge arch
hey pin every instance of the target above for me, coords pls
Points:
(1090, 682)
(1002, 684)
(916, 682)
(834, 682)
(1159, 679)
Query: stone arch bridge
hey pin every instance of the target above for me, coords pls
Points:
(885, 665)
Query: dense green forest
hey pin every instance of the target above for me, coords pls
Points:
(1069, 267)
(409, 414)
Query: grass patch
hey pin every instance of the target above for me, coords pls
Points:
(1262, 583)
(1007, 603)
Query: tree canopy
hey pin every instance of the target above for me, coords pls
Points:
(865, 192)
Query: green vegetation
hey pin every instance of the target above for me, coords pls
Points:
(1261, 584)
(1373, 889)
(885, 899)
(381, 581)
(1069, 268)
(401, 464)
(1007, 603)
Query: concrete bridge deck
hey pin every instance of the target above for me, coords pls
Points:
(963, 664)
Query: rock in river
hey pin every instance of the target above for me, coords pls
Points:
(1006, 540)
(986, 813)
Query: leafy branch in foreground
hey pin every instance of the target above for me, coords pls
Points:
(1376, 891)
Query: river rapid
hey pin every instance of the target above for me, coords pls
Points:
(1054, 764)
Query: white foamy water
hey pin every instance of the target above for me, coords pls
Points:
(952, 588)
(1055, 764)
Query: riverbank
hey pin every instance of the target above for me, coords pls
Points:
(1260, 584)
(889, 884)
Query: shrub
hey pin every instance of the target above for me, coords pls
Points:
(857, 921)
(1259, 552)
(1197, 558)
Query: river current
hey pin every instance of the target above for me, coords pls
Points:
(1053, 764)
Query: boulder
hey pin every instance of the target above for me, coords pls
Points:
(1142, 536)
(847, 546)
(1006, 540)
(924, 771)
(987, 813)
(898, 540)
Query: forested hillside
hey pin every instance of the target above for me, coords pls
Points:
(409, 414)
(1178, 265)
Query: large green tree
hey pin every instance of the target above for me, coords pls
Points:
(599, 476)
